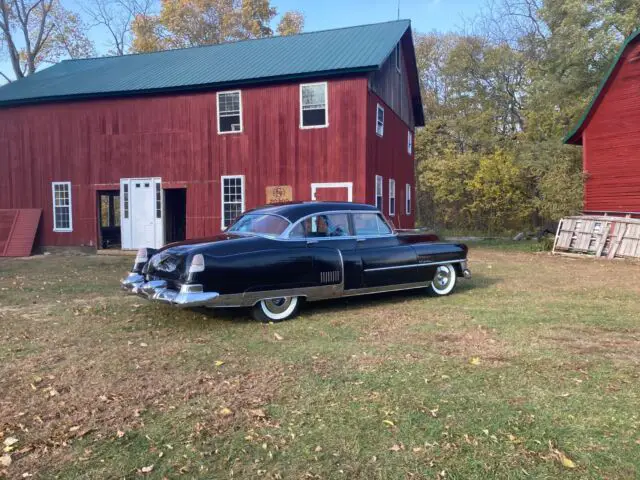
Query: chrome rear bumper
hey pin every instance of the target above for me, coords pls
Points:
(158, 291)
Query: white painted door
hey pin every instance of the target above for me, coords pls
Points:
(141, 212)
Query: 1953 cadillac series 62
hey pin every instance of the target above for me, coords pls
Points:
(273, 258)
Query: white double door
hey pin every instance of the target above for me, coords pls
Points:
(141, 213)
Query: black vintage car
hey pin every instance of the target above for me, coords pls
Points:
(273, 258)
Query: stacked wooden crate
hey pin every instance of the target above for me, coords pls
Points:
(600, 236)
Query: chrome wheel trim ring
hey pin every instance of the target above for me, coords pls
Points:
(278, 308)
(444, 280)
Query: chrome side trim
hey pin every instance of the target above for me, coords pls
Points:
(429, 264)
(385, 288)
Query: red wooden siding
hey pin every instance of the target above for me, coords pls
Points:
(611, 142)
(388, 157)
(17, 231)
(93, 144)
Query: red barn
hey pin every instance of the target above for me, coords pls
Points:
(144, 149)
(609, 132)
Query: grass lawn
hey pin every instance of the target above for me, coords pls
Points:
(530, 370)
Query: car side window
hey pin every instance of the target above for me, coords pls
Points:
(370, 224)
(324, 225)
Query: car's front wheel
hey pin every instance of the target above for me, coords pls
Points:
(276, 309)
(444, 280)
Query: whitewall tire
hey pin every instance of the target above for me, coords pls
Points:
(444, 280)
(276, 309)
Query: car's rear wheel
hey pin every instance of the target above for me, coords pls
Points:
(444, 280)
(276, 309)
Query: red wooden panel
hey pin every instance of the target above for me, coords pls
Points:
(96, 143)
(335, 194)
(388, 156)
(611, 141)
(17, 241)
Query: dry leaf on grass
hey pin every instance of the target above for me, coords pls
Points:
(120, 434)
(9, 441)
(566, 461)
(258, 412)
(219, 363)
(474, 361)
(148, 469)
(277, 336)
(225, 412)
(388, 422)
(5, 460)
(397, 447)
(318, 448)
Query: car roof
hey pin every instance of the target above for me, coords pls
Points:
(297, 210)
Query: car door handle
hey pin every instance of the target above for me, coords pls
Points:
(361, 240)
(309, 242)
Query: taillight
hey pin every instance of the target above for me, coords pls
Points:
(197, 263)
(141, 256)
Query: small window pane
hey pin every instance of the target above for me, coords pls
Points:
(232, 199)
(229, 112)
(61, 206)
(327, 225)
(313, 105)
(380, 121)
(379, 192)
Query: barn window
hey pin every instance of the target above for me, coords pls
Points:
(313, 105)
(232, 198)
(62, 218)
(409, 143)
(392, 197)
(379, 120)
(397, 58)
(407, 199)
(379, 192)
(230, 112)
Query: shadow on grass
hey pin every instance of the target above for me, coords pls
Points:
(243, 315)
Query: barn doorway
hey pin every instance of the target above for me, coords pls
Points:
(175, 214)
(109, 219)
(332, 192)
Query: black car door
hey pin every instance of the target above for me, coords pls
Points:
(385, 260)
(333, 231)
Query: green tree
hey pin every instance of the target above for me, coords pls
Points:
(33, 32)
(291, 23)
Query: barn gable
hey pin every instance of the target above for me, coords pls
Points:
(574, 137)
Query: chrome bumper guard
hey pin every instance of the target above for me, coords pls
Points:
(157, 290)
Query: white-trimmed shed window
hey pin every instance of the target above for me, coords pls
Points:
(62, 216)
(379, 120)
(314, 112)
(379, 197)
(407, 207)
(392, 197)
(232, 198)
(409, 143)
(397, 58)
(230, 112)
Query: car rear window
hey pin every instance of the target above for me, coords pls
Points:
(367, 224)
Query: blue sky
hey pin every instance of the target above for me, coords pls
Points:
(426, 15)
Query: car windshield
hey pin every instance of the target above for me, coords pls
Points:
(260, 224)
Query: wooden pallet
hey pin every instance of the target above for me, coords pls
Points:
(600, 236)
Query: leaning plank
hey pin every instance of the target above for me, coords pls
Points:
(622, 228)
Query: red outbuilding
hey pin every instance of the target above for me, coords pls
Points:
(141, 150)
(609, 132)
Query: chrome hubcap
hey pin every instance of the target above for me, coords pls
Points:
(442, 278)
(277, 305)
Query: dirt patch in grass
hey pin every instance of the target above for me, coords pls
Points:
(617, 345)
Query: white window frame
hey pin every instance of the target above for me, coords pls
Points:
(379, 125)
(397, 58)
(407, 199)
(239, 92)
(379, 183)
(70, 206)
(326, 105)
(222, 202)
(409, 142)
(392, 196)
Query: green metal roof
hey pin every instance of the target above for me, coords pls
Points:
(329, 52)
(575, 135)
